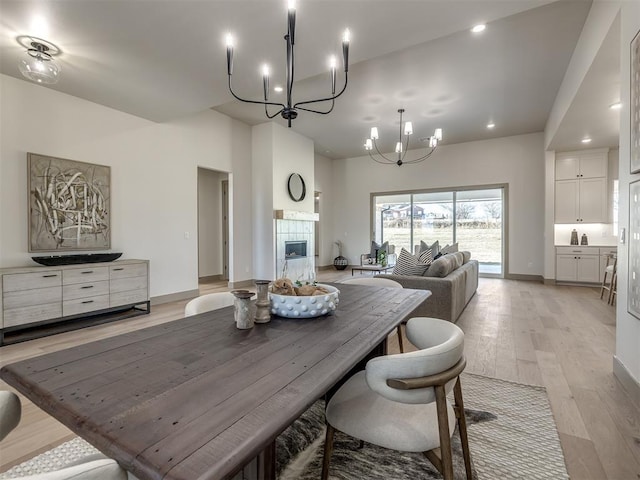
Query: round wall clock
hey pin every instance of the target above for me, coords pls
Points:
(297, 188)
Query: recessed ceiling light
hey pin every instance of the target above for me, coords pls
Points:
(478, 28)
(586, 140)
(615, 106)
(278, 89)
(491, 125)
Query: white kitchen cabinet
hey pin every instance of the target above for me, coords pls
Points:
(578, 264)
(582, 164)
(581, 187)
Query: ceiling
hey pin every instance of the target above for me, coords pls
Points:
(165, 59)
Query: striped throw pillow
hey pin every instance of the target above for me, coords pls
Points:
(408, 264)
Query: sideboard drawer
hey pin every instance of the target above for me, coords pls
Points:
(29, 281)
(127, 284)
(126, 271)
(28, 298)
(83, 290)
(84, 305)
(83, 275)
(128, 297)
(31, 314)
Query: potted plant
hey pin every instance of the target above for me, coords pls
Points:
(340, 262)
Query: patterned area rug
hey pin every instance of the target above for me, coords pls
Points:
(517, 440)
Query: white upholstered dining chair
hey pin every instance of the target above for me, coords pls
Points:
(379, 282)
(400, 401)
(93, 467)
(210, 301)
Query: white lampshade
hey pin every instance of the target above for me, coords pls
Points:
(408, 128)
(368, 144)
(374, 133)
(399, 147)
(438, 134)
(433, 142)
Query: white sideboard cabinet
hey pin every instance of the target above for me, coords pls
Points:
(581, 186)
(34, 298)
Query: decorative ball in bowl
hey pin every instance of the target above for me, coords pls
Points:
(324, 300)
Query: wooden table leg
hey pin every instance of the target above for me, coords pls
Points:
(267, 463)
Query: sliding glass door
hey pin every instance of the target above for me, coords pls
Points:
(471, 217)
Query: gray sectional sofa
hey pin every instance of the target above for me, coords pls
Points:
(449, 295)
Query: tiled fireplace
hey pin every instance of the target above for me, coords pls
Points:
(295, 247)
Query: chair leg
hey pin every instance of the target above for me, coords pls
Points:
(443, 428)
(462, 427)
(612, 289)
(603, 287)
(328, 450)
(400, 338)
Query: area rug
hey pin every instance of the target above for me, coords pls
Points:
(512, 435)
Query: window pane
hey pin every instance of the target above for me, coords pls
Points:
(435, 220)
(479, 227)
(393, 220)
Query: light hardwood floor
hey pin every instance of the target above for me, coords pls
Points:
(560, 337)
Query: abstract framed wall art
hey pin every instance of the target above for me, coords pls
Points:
(633, 302)
(635, 104)
(69, 204)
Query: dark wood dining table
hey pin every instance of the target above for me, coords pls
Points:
(197, 398)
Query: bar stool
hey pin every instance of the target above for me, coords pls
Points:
(610, 271)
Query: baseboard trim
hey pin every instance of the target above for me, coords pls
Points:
(526, 278)
(549, 281)
(325, 267)
(630, 384)
(241, 283)
(211, 278)
(174, 297)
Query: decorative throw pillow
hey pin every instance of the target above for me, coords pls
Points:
(450, 248)
(425, 257)
(408, 264)
(434, 247)
(466, 256)
(377, 248)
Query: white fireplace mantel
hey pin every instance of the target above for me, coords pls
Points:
(294, 215)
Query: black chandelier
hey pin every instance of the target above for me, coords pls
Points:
(289, 111)
(401, 150)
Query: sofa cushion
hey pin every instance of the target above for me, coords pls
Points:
(466, 256)
(459, 258)
(408, 264)
(442, 266)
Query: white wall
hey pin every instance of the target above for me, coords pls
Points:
(277, 152)
(517, 161)
(210, 228)
(627, 327)
(153, 174)
(324, 184)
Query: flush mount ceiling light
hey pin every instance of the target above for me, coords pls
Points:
(289, 111)
(401, 150)
(38, 64)
(586, 140)
(491, 125)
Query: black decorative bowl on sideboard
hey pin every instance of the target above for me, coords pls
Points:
(56, 260)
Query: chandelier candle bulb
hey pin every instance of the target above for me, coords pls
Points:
(408, 128)
(332, 65)
(368, 145)
(345, 49)
(265, 81)
(374, 133)
(229, 42)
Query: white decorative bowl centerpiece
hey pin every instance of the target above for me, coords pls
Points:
(296, 302)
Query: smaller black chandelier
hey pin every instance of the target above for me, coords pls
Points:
(289, 111)
(401, 149)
